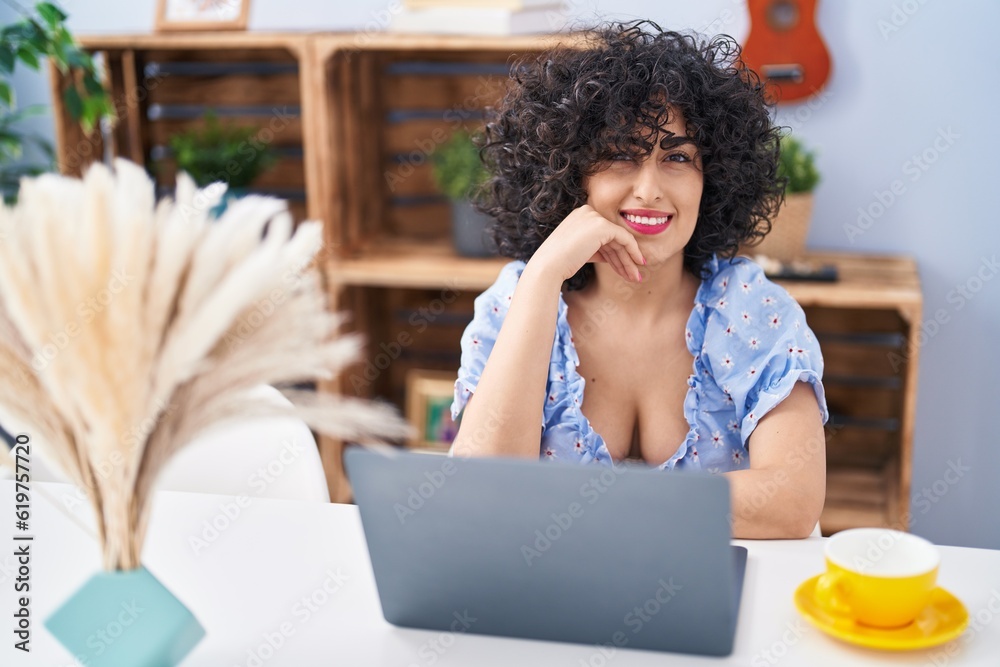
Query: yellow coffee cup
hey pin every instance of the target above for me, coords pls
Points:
(877, 576)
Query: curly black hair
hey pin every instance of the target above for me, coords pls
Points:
(570, 109)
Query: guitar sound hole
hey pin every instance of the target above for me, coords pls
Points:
(783, 15)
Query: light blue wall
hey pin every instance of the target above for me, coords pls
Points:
(890, 97)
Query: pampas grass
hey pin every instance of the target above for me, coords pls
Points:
(116, 312)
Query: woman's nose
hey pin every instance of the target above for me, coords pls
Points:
(648, 186)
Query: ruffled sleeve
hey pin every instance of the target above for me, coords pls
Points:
(489, 310)
(757, 343)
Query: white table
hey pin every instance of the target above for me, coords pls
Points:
(249, 583)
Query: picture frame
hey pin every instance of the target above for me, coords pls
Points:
(429, 395)
(187, 15)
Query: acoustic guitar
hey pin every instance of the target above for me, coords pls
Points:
(785, 48)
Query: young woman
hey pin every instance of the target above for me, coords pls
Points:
(624, 177)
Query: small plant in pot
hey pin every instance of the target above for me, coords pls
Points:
(790, 227)
(217, 152)
(459, 172)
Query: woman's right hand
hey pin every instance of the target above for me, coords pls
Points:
(587, 236)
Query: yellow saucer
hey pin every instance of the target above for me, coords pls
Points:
(943, 619)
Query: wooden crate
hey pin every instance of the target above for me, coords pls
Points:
(389, 101)
(163, 84)
(867, 326)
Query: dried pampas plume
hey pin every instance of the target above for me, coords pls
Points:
(117, 312)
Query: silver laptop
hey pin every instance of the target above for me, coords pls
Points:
(624, 558)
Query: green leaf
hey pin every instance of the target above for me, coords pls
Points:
(52, 14)
(77, 59)
(73, 102)
(6, 59)
(92, 85)
(28, 57)
(6, 94)
(63, 39)
(93, 109)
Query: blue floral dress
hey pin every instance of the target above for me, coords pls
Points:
(750, 344)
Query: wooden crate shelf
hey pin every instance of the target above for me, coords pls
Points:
(164, 84)
(414, 264)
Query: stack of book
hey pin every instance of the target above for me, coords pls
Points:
(480, 17)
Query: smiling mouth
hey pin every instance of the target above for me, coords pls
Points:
(647, 224)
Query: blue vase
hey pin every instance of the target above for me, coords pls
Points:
(230, 196)
(125, 619)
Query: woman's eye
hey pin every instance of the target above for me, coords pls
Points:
(678, 157)
(621, 157)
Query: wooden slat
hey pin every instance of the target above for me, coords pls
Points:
(371, 200)
(860, 446)
(228, 89)
(397, 263)
(353, 157)
(424, 133)
(313, 122)
(848, 320)
(857, 497)
(331, 449)
(837, 517)
(420, 221)
(407, 180)
(216, 55)
(872, 281)
(856, 486)
(433, 91)
(862, 402)
(133, 119)
(857, 359)
(431, 320)
(908, 412)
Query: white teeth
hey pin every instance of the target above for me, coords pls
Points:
(642, 220)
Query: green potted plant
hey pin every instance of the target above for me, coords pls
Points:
(459, 172)
(222, 152)
(43, 34)
(790, 227)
